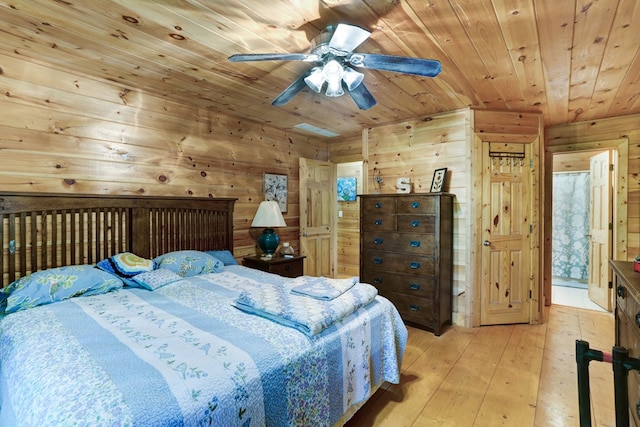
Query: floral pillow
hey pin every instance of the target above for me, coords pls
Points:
(189, 263)
(126, 265)
(156, 279)
(56, 284)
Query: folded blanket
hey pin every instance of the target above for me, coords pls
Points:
(308, 315)
(323, 288)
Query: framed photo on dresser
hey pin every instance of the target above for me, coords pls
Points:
(437, 184)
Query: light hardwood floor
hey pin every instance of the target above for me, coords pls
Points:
(513, 375)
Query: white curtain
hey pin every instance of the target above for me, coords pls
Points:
(571, 225)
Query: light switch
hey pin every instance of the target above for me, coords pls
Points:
(339, 214)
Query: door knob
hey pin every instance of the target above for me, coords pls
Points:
(486, 243)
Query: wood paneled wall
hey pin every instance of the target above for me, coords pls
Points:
(70, 133)
(598, 134)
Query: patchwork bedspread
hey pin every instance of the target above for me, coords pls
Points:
(184, 355)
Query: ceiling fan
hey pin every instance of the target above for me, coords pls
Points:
(332, 53)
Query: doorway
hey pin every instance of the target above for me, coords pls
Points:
(572, 241)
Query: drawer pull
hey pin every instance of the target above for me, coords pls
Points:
(378, 241)
(378, 205)
(414, 265)
(415, 205)
(414, 286)
(638, 319)
(415, 244)
(621, 292)
(415, 223)
(377, 261)
(378, 222)
(414, 307)
(377, 281)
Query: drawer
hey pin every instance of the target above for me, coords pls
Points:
(413, 309)
(398, 263)
(629, 334)
(288, 269)
(417, 286)
(379, 223)
(397, 242)
(416, 204)
(378, 205)
(628, 304)
(416, 223)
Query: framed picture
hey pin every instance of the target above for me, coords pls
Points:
(275, 188)
(437, 185)
(347, 189)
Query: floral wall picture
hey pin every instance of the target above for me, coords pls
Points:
(347, 189)
(275, 188)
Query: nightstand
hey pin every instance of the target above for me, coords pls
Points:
(287, 267)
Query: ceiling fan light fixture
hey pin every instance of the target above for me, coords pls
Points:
(352, 78)
(333, 73)
(315, 80)
(334, 87)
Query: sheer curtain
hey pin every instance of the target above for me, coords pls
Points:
(571, 225)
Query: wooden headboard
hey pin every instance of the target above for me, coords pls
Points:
(40, 231)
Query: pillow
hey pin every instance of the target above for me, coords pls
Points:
(126, 264)
(189, 263)
(156, 279)
(57, 284)
(225, 256)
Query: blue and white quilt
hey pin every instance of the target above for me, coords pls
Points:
(184, 355)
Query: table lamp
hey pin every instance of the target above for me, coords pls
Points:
(268, 215)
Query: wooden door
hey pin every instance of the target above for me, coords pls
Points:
(317, 216)
(506, 252)
(600, 230)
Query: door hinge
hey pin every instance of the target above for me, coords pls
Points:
(530, 294)
(611, 167)
(610, 285)
(530, 228)
(531, 163)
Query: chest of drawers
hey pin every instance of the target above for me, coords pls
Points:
(627, 287)
(406, 251)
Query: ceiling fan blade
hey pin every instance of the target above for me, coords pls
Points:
(361, 96)
(398, 64)
(293, 89)
(348, 37)
(244, 57)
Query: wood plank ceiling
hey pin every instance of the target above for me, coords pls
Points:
(571, 60)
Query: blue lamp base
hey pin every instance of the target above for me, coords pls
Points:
(268, 242)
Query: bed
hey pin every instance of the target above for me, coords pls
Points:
(184, 352)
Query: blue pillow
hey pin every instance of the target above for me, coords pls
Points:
(189, 263)
(156, 279)
(126, 264)
(225, 256)
(57, 284)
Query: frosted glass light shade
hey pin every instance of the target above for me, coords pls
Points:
(315, 80)
(352, 78)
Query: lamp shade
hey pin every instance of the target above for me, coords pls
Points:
(268, 215)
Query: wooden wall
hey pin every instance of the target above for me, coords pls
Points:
(69, 133)
(598, 134)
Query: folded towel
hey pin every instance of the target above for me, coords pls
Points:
(323, 288)
(308, 315)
